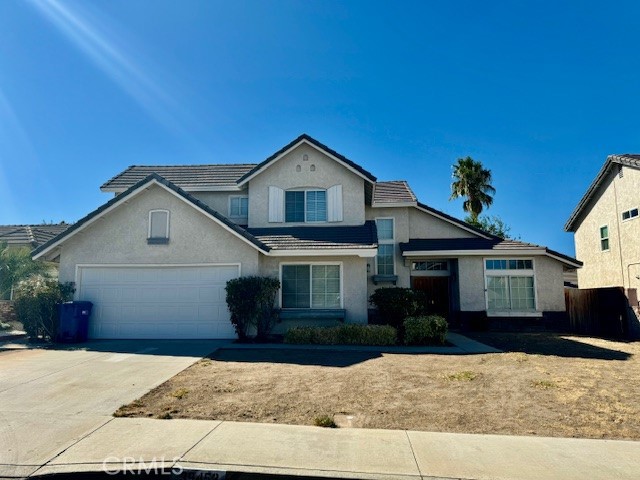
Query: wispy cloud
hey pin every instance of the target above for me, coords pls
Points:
(94, 35)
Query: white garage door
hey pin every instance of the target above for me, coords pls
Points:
(185, 302)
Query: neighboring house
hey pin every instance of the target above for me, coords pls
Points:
(155, 259)
(30, 236)
(606, 226)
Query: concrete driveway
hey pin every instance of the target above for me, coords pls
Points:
(52, 398)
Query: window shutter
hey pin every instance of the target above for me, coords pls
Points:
(276, 205)
(334, 203)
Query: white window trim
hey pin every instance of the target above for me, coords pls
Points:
(387, 242)
(305, 190)
(168, 221)
(229, 206)
(511, 273)
(629, 211)
(600, 238)
(340, 264)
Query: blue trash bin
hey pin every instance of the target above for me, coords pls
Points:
(74, 321)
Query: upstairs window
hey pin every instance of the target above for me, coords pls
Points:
(385, 260)
(158, 227)
(604, 238)
(305, 206)
(239, 207)
(629, 214)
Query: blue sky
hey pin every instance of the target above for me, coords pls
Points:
(540, 92)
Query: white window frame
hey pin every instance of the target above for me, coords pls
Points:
(511, 273)
(305, 190)
(391, 242)
(601, 238)
(629, 212)
(340, 264)
(168, 222)
(231, 197)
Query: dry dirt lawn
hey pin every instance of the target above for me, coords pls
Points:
(543, 384)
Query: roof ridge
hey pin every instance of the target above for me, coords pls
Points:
(192, 165)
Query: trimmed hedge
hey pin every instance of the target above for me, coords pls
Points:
(425, 330)
(250, 301)
(395, 304)
(347, 334)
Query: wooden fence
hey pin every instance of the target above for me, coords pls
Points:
(603, 312)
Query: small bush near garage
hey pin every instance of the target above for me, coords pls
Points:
(348, 334)
(36, 305)
(251, 303)
(395, 304)
(429, 330)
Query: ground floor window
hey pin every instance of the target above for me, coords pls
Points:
(311, 286)
(512, 292)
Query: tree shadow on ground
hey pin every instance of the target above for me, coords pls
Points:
(322, 358)
(547, 344)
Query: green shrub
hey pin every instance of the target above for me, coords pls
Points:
(429, 330)
(347, 334)
(395, 304)
(325, 421)
(36, 305)
(250, 301)
(16, 265)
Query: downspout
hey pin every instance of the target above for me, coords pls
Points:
(615, 197)
(629, 272)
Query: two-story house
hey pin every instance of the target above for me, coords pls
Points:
(155, 259)
(606, 226)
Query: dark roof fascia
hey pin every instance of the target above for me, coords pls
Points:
(154, 176)
(297, 231)
(575, 216)
(483, 244)
(457, 221)
(317, 144)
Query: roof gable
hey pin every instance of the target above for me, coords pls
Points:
(137, 189)
(306, 139)
(626, 159)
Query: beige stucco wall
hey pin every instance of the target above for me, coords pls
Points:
(410, 223)
(471, 281)
(619, 265)
(354, 280)
(219, 201)
(121, 238)
(549, 283)
(328, 173)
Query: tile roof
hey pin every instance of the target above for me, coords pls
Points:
(496, 244)
(187, 177)
(193, 177)
(154, 176)
(30, 235)
(318, 238)
(395, 191)
(627, 159)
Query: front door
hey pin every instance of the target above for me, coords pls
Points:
(437, 292)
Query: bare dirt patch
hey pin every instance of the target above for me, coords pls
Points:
(543, 384)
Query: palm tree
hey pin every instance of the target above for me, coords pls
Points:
(472, 182)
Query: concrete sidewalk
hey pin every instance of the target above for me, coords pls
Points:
(460, 345)
(344, 453)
